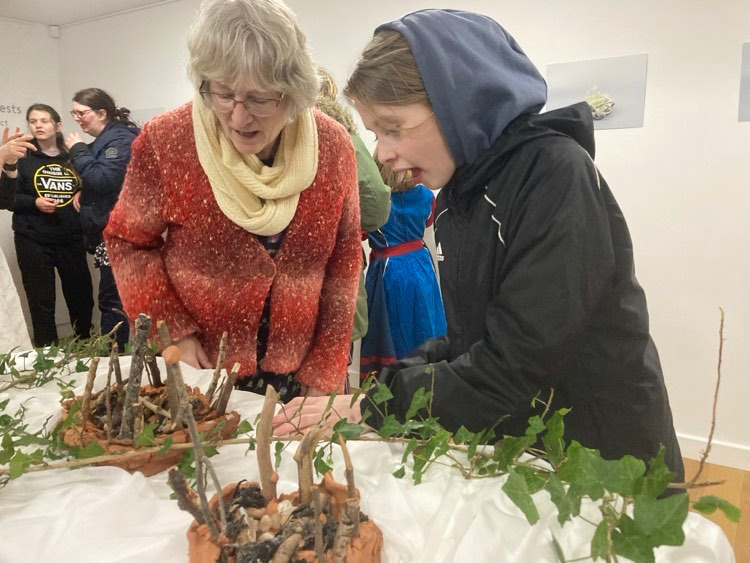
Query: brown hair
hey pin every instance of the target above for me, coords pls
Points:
(387, 73)
(328, 104)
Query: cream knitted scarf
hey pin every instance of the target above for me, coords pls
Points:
(258, 198)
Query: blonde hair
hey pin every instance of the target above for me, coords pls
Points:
(397, 181)
(387, 73)
(328, 104)
(252, 44)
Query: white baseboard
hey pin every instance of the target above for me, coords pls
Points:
(722, 453)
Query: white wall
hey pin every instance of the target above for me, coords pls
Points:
(681, 180)
(31, 73)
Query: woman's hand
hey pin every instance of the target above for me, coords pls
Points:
(72, 139)
(309, 391)
(302, 413)
(46, 204)
(77, 202)
(14, 146)
(191, 353)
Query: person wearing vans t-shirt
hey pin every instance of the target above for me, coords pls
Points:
(47, 229)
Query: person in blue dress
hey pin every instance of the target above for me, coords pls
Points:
(403, 297)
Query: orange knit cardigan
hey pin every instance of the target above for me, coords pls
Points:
(178, 258)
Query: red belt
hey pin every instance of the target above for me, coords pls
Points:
(398, 250)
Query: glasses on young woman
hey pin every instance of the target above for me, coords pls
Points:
(223, 102)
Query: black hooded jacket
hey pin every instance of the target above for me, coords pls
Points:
(537, 275)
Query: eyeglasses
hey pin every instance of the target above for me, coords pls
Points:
(75, 114)
(225, 103)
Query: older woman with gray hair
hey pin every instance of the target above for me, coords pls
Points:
(239, 211)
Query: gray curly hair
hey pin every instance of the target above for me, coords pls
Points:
(252, 44)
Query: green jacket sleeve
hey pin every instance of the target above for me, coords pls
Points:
(374, 195)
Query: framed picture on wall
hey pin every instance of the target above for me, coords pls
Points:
(744, 114)
(615, 88)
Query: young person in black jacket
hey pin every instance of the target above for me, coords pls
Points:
(47, 229)
(536, 262)
(102, 166)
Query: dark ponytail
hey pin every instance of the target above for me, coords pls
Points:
(59, 139)
(97, 99)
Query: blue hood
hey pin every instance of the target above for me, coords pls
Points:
(477, 78)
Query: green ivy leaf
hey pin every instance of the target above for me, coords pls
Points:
(553, 439)
(399, 473)
(146, 436)
(16, 468)
(81, 367)
(599, 544)
(590, 475)
(410, 447)
(534, 481)
(92, 450)
(517, 490)
(381, 395)
(165, 446)
(186, 464)
(463, 435)
(244, 427)
(419, 401)
(657, 477)
(567, 501)
(278, 448)
(629, 542)
(346, 429)
(709, 504)
(661, 519)
(509, 449)
(390, 427)
(557, 548)
(322, 466)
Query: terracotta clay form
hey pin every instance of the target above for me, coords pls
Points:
(249, 522)
(115, 417)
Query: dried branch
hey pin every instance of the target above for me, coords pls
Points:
(263, 434)
(318, 526)
(173, 398)
(350, 487)
(108, 399)
(303, 456)
(226, 390)
(154, 408)
(344, 531)
(114, 360)
(86, 399)
(704, 456)
(153, 369)
(288, 547)
(142, 326)
(219, 366)
(185, 495)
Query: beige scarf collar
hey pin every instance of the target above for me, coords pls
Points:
(258, 198)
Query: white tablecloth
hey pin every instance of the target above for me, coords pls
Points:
(101, 514)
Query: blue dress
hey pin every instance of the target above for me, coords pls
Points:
(403, 297)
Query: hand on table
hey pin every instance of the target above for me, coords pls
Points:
(192, 353)
(302, 413)
(46, 204)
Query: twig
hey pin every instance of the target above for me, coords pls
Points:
(153, 408)
(549, 403)
(350, 488)
(344, 531)
(226, 390)
(318, 525)
(153, 369)
(303, 457)
(173, 398)
(219, 366)
(263, 434)
(86, 400)
(108, 400)
(704, 456)
(115, 359)
(142, 326)
(200, 458)
(185, 495)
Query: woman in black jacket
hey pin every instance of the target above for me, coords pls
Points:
(47, 229)
(536, 262)
(102, 166)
